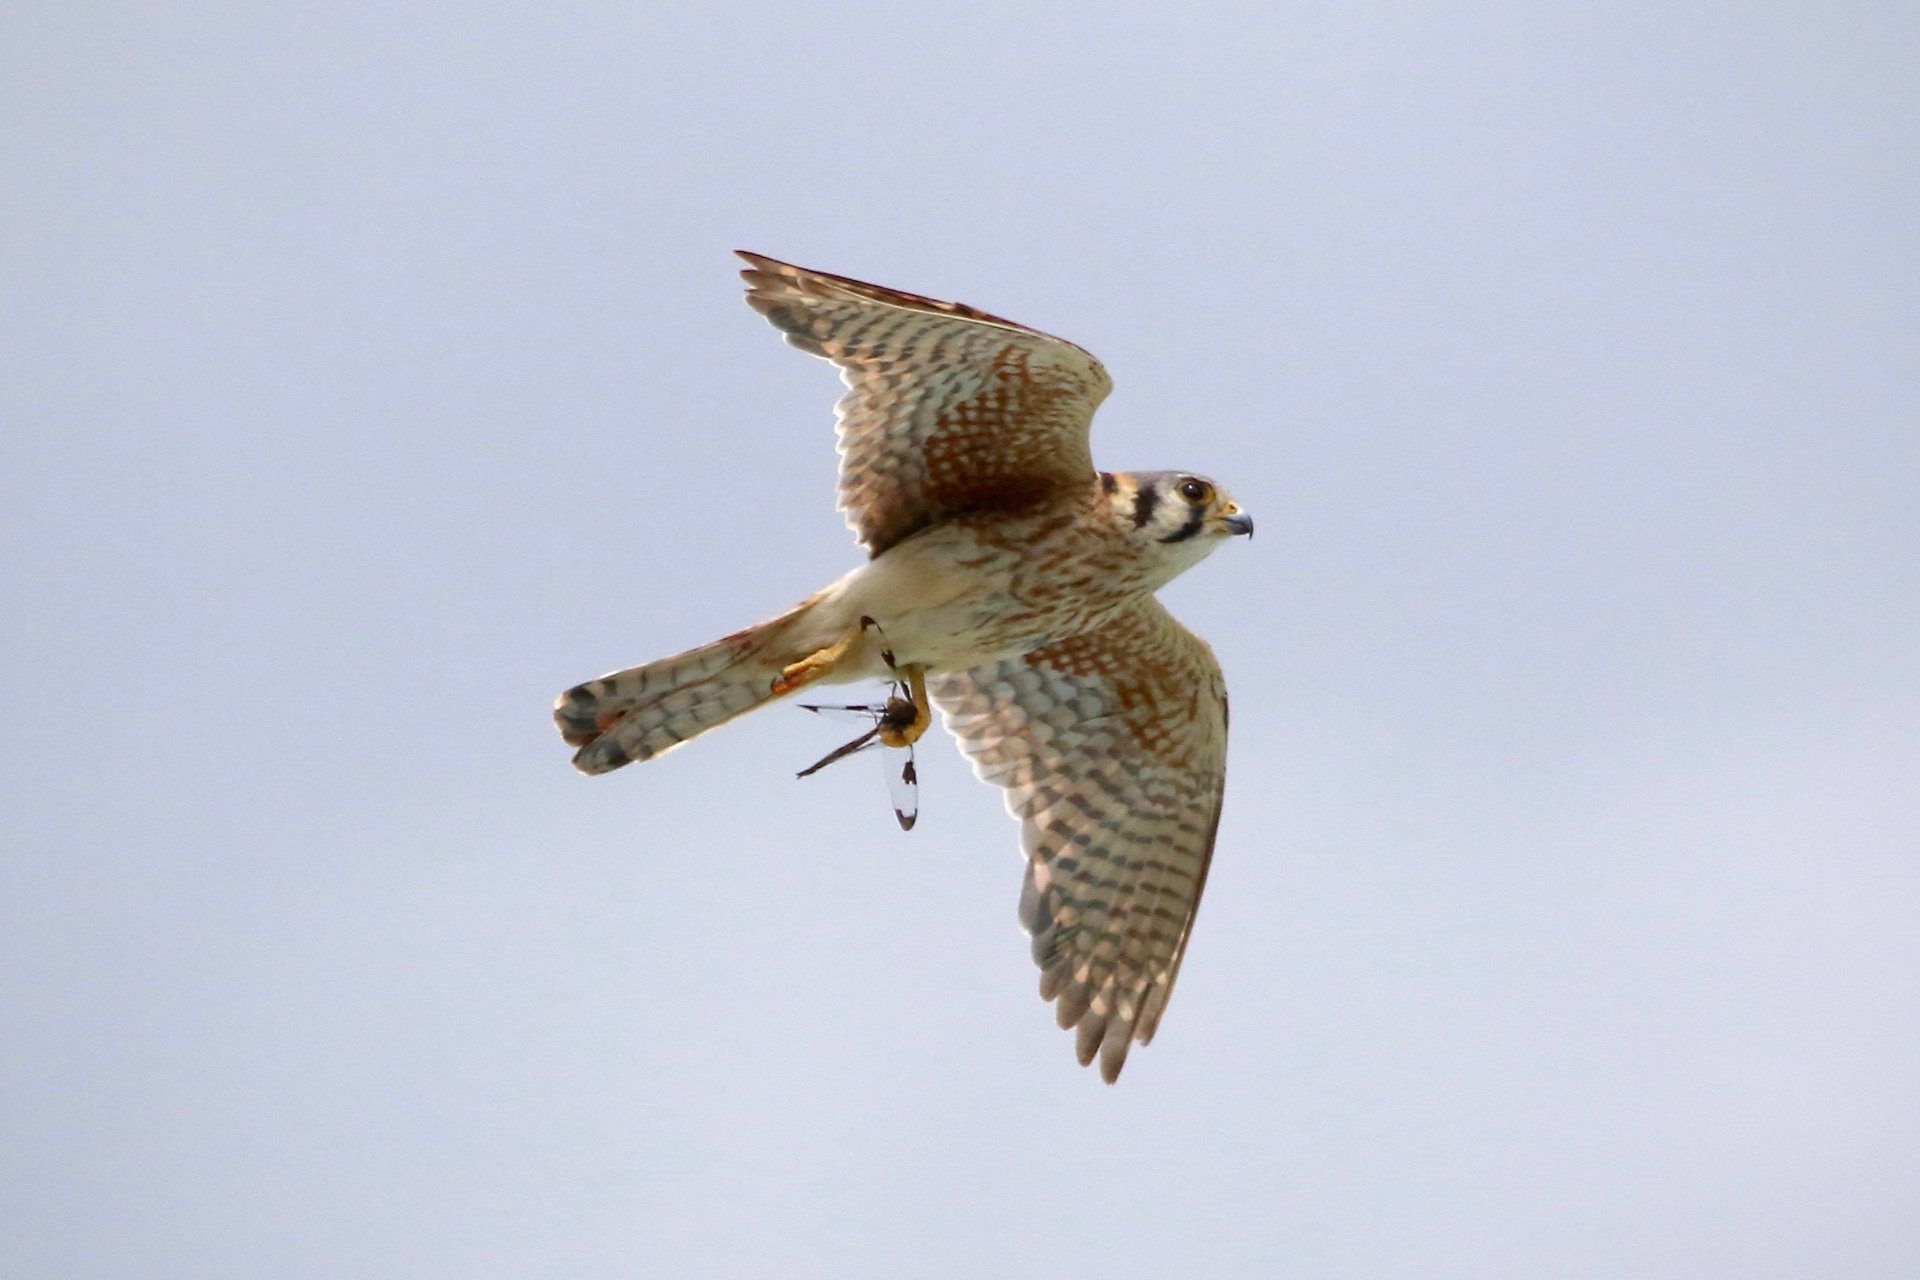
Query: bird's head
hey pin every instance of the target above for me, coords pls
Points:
(1175, 518)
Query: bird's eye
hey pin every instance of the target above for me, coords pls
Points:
(1195, 491)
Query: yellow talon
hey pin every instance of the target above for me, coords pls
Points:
(796, 675)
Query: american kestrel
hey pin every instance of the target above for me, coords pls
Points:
(1014, 583)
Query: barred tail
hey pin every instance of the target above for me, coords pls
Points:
(642, 712)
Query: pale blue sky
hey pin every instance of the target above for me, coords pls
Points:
(370, 373)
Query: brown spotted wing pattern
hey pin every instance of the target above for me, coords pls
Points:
(949, 410)
(1112, 747)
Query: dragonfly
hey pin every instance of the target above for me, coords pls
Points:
(896, 714)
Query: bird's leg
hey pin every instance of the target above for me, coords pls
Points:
(797, 675)
(902, 720)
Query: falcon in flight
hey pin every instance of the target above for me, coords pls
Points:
(1012, 585)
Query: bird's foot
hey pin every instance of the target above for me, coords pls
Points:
(798, 675)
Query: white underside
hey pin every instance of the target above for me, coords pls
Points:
(931, 612)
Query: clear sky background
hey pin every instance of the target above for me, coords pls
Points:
(371, 372)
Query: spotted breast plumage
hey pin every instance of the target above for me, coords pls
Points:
(1012, 585)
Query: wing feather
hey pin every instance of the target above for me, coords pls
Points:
(1112, 749)
(948, 410)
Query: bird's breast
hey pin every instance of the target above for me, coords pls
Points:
(954, 597)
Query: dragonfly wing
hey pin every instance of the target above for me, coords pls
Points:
(868, 739)
(903, 777)
(903, 785)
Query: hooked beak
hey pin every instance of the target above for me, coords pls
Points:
(1238, 523)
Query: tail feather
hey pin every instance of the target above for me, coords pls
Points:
(643, 712)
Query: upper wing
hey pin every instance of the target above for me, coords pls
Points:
(950, 410)
(1113, 749)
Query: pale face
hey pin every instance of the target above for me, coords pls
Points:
(1176, 518)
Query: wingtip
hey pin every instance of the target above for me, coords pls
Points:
(1113, 1056)
(763, 274)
